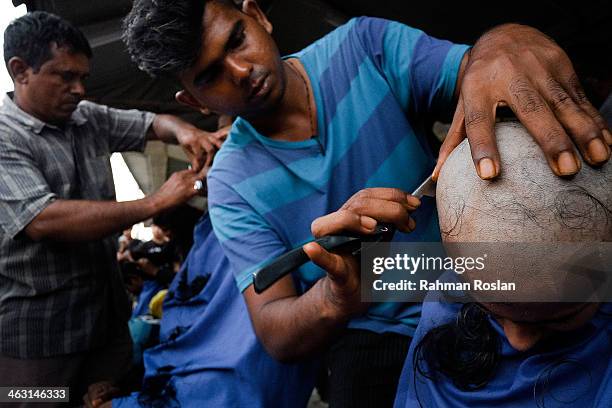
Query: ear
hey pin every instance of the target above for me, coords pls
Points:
(185, 98)
(19, 70)
(251, 8)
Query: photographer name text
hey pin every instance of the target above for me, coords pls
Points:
(423, 284)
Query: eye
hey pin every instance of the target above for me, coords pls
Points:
(237, 39)
(67, 76)
(208, 77)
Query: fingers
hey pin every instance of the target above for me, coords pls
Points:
(194, 156)
(201, 150)
(580, 119)
(385, 211)
(341, 221)
(98, 393)
(410, 203)
(454, 137)
(382, 204)
(205, 151)
(535, 114)
(210, 149)
(201, 175)
(479, 110)
(594, 148)
(217, 138)
(216, 142)
(334, 264)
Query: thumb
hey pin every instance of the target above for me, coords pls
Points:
(454, 137)
(201, 175)
(192, 155)
(333, 264)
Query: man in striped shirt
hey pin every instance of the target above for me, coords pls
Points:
(339, 126)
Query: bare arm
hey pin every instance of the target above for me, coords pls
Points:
(292, 327)
(166, 127)
(83, 220)
(199, 146)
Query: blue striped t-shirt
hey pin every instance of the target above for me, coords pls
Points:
(373, 81)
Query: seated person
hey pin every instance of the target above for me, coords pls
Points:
(208, 349)
(508, 354)
(149, 267)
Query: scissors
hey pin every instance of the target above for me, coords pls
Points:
(284, 264)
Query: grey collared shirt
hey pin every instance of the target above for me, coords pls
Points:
(58, 298)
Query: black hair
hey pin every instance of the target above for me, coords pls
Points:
(30, 37)
(180, 221)
(467, 350)
(159, 391)
(164, 37)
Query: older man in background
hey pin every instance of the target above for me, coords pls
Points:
(63, 309)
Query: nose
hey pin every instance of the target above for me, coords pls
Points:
(521, 337)
(239, 69)
(78, 88)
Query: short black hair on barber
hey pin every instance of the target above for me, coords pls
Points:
(30, 37)
(164, 37)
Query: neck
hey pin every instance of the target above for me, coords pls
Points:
(28, 108)
(23, 104)
(294, 119)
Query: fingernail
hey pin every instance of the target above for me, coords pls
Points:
(598, 151)
(435, 173)
(411, 224)
(566, 162)
(368, 223)
(608, 136)
(413, 201)
(486, 168)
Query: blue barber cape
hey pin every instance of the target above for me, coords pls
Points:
(208, 354)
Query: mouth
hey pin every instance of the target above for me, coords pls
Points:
(70, 105)
(259, 87)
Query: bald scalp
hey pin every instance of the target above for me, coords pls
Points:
(527, 203)
(528, 216)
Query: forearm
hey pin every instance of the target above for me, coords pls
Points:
(296, 327)
(460, 74)
(166, 128)
(84, 220)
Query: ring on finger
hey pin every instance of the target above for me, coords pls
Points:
(198, 185)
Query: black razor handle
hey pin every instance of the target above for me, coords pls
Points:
(284, 264)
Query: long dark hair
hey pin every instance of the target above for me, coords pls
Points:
(467, 351)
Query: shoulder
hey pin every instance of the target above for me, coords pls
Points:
(239, 155)
(90, 110)
(358, 31)
(15, 137)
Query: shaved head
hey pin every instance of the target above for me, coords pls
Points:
(541, 230)
(527, 203)
(549, 236)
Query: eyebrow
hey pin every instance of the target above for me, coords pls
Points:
(70, 71)
(204, 73)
